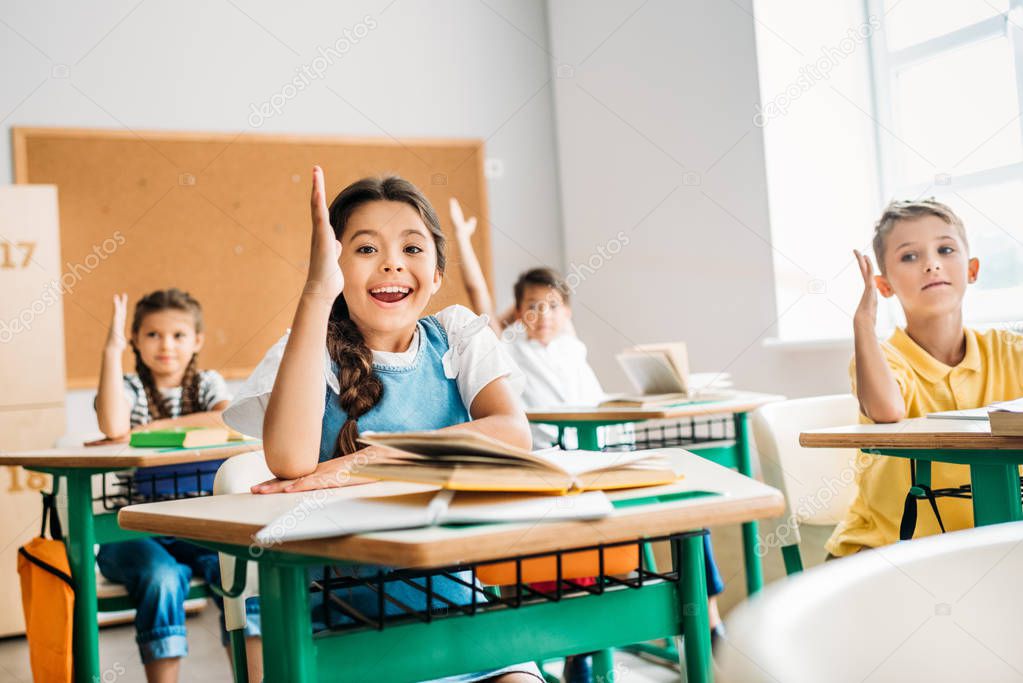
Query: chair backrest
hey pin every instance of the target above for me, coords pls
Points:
(941, 608)
(819, 483)
(239, 473)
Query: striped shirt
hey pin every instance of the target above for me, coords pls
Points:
(212, 390)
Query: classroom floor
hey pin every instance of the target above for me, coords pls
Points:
(207, 660)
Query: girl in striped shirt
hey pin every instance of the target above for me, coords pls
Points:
(166, 390)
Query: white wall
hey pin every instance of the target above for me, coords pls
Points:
(444, 68)
(654, 104)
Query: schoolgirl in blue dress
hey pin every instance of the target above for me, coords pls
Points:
(360, 356)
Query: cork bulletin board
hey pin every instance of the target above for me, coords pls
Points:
(223, 216)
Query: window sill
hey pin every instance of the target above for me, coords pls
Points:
(835, 344)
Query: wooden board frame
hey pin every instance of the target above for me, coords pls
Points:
(236, 204)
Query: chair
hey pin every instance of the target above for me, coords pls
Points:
(819, 483)
(236, 475)
(941, 608)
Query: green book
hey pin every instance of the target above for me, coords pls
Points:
(179, 437)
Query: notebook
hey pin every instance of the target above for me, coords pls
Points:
(179, 437)
(1006, 418)
(429, 508)
(468, 461)
(174, 481)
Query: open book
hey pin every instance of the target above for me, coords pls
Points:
(468, 461)
(431, 508)
(660, 375)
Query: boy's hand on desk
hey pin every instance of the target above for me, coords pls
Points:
(324, 279)
(116, 341)
(331, 474)
(866, 312)
(464, 229)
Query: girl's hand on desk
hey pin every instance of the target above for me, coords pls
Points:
(324, 279)
(331, 474)
(116, 341)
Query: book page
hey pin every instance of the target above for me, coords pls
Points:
(580, 462)
(474, 508)
(349, 516)
(416, 510)
(651, 372)
(678, 358)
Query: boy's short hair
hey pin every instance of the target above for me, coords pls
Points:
(545, 277)
(907, 210)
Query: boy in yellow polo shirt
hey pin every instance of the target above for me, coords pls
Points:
(934, 364)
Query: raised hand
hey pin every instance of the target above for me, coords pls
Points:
(324, 279)
(866, 312)
(464, 228)
(116, 340)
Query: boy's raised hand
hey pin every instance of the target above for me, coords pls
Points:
(464, 229)
(324, 279)
(866, 312)
(116, 341)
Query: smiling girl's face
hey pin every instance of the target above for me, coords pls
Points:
(927, 266)
(166, 341)
(389, 263)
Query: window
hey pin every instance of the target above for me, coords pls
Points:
(948, 81)
(863, 101)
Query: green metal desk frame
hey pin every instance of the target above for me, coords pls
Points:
(736, 456)
(490, 639)
(994, 478)
(85, 529)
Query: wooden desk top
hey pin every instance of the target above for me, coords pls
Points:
(235, 518)
(121, 455)
(742, 402)
(916, 433)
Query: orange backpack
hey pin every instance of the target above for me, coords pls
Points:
(48, 598)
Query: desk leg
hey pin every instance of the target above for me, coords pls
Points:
(603, 660)
(695, 620)
(754, 569)
(81, 552)
(996, 496)
(586, 438)
(288, 652)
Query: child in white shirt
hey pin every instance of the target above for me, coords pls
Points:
(537, 332)
(539, 337)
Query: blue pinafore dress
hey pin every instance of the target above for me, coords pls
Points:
(416, 397)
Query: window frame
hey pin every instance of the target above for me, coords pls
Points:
(884, 65)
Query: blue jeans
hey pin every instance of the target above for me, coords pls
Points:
(715, 584)
(156, 572)
(366, 601)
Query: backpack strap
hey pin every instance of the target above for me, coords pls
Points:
(50, 514)
(918, 490)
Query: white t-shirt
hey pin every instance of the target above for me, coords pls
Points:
(474, 359)
(556, 375)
